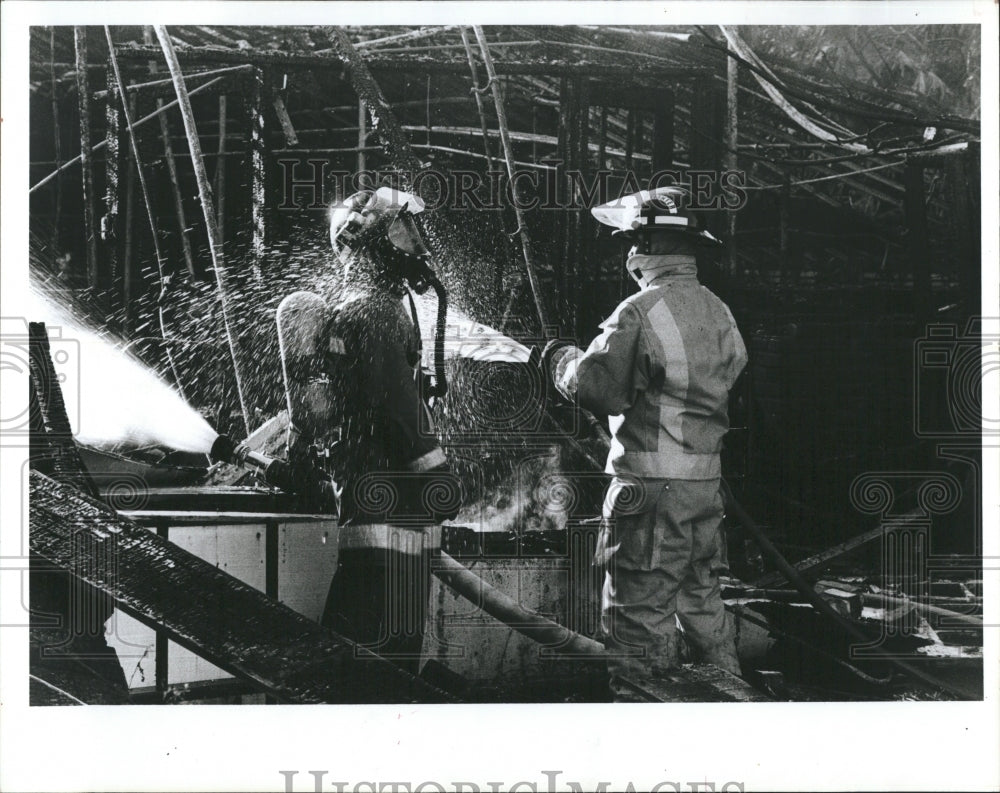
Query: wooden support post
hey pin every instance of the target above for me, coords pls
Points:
(916, 237)
(57, 146)
(522, 228)
(663, 132)
(602, 144)
(208, 209)
(168, 156)
(362, 141)
(161, 662)
(629, 138)
(427, 110)
(637, 140)
(707, 126)
(130, 262)
(582, 288)
(83, 98)
(258, 175)
(220, 171)
(566, 137)
(147, 201)
(477, 93)
(730, 154)
(108, 271)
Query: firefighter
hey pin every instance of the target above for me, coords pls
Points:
(661, 370)
(357, 397)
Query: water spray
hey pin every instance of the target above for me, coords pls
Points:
(308, 481)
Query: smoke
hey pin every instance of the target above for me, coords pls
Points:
(110, 396)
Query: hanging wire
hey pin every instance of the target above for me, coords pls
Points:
(845, 175)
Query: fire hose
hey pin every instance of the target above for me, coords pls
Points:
(504, 608)
(820, 604)
(315, 486)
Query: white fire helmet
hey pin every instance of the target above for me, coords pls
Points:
(369, 216)
(661, 209)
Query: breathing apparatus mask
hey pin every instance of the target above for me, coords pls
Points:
(382, 223)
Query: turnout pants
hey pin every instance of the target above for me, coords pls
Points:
(379, 595)
(662, 543)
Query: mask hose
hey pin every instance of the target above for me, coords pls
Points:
(440, 380)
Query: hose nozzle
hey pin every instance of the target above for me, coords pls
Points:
(312, 484)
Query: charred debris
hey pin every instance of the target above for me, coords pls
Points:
(179, 184)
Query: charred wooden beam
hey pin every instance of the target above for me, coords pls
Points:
(220, 170)
(522, 228)
(731, 142)
(257, 163)
(57, 147)
(109, 266)
(101, 144)
(147, 201)
(817, 562)
(207, 611)
(165, 87)
(130, 263)
(383, 120)
(478, 95)
(195, 55)
(83, 97)
(168, 156)
(208, 211)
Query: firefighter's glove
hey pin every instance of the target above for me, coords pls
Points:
(556, 354)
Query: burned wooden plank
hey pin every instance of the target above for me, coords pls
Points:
(817, 561)
(52, 446)
(225, 621)
(697, 683)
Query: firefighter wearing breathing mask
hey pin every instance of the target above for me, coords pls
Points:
(358, 396)
(661, 370)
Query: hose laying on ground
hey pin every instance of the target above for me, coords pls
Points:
(556, 637)
(741, 614)
(795, 578)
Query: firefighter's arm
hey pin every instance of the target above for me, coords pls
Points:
(607, 377)
(739, 359)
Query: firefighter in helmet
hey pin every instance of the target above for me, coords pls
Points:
(661, 370)
(356, 392)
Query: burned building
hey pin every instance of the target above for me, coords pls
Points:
(181, 181)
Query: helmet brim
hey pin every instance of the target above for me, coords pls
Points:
(700, 236)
